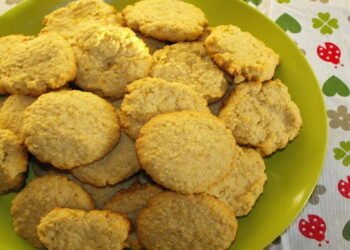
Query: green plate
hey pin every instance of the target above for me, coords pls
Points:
(292, 173)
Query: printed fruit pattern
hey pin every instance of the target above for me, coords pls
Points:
(344, 187)
(330, 53)
(314, 228)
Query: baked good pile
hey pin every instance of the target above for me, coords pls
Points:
(146, 128)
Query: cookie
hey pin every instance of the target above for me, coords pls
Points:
(262, 115)
(70, 128)
(13, 162)
(65, 228)
(216, 106)
(109, 58)
(244, 184)
(99, 195)
(149, 97)
(174, 221)
(69, 20)
(12, 113)
(241, 54)
(188, 63)
(131, 201)
(39, 197)
(180, 150)
(166, 20)
(36, 65)
(116, 166)
(151, 43)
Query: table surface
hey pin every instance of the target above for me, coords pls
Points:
(321, 29)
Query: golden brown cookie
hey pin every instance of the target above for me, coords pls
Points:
(174, 221)
(39, 197)
(169, 20)
(149, 97)
(262, 115)
(13, 162)
(70, 128)
(35, 65)
(12, 113)
(189, 63)
(244, 184)
(180, 150)
(65, 228)
(71, 19)
(116, 166)
(109, 58)
(241, 54)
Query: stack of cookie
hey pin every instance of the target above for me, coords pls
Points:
(114, 110)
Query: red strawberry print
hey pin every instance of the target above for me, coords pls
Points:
(314, 228)
(344, 187)
(330, 53)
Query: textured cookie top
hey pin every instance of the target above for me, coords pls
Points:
(13, 161)
(69, 20)
(189, 63)
(180, 150)
(35, 65)
(262, 115)
(65, 228)
(241, 54)
(39, 197)
(149, 97)
(119, 164)
(170, 20)
(244, 184)
(12, 113)
(70, 128)
(174, 221)
(109, 58)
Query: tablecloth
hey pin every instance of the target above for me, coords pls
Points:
(321, 29)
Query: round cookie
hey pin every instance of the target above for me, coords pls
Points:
(149, 97)
(119, 164)
(13, 162)
(241, 54)
(177, 222)
(21, 67)
(131, 201)
(262, 115)
(99, 195)
(39, 197)
(180, 150)
(69, 20)
(70, 128)
(244, 184)
(169, 20)
(109, 58)
(65, 228)
(189, 63)
(12, 113)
